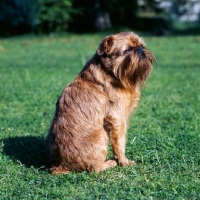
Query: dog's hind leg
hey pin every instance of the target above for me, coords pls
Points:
(59, 170)
(107, 164)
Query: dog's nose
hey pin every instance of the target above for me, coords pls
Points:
(140, 51)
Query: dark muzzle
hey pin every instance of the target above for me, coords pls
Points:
(140, 51)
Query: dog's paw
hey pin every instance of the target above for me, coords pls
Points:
(58, 170)
(123, 162)
(131, 162)
(126, 162)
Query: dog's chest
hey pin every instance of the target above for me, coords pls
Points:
(124, 101)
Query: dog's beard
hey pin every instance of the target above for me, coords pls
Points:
(133, 69)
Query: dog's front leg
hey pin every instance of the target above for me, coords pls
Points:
(118, 139)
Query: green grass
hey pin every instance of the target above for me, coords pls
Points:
(163, 136)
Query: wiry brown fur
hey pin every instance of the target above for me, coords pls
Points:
(95, 107)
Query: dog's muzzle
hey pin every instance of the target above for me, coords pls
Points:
(140, 51)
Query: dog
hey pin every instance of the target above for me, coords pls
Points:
(94, 109)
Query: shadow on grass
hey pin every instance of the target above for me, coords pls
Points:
(28, 151)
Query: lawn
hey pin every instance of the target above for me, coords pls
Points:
(163, 136)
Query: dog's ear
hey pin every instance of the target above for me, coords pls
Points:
(105, 46)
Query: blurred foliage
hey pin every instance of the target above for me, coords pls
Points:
(21, 16)
(119, 13)
(83, 19)
(17, 16)
(179, 7)
(54, 15)
(47, 16)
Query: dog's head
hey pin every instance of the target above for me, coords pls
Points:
(126, 56)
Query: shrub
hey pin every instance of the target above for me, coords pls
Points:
(54, 15)
(21, 16)
(17, 16)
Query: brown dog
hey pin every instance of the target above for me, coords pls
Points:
(95, 107)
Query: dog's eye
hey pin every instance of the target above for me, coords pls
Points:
(129, 50)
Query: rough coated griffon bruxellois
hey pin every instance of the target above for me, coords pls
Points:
(95, 107)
